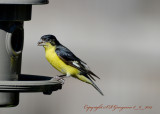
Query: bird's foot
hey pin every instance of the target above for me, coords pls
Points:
(60, 78)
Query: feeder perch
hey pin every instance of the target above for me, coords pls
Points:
(13, 13)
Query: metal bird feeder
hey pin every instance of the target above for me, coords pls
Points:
(12, 15)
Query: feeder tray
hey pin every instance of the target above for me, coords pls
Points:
(31, 83)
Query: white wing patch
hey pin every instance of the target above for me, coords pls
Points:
(82, 63)
(76, 64)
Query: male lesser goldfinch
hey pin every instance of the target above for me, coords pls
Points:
(66, 62)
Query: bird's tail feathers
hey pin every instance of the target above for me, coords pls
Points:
(90, 72)
(96, 87)
(87, 79)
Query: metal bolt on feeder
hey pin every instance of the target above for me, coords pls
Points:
(12, 15)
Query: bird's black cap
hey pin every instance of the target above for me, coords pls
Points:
(50, 38)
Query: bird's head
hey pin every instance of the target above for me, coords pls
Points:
(48, 40)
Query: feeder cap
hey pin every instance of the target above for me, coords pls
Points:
(31, 2)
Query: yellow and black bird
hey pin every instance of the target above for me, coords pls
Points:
(66, 62)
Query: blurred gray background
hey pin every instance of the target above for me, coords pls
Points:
(120, 41)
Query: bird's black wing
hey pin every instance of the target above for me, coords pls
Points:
(66, 53)
(70, 59)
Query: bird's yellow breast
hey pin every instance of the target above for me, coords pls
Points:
(57, 63)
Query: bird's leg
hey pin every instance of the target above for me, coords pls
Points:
(60, 77)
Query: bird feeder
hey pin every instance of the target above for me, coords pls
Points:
(13, 13)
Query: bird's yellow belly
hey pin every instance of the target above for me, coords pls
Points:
(58, 64)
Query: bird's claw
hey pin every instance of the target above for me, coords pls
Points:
(59, 79)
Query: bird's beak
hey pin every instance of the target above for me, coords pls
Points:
(41, 43)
